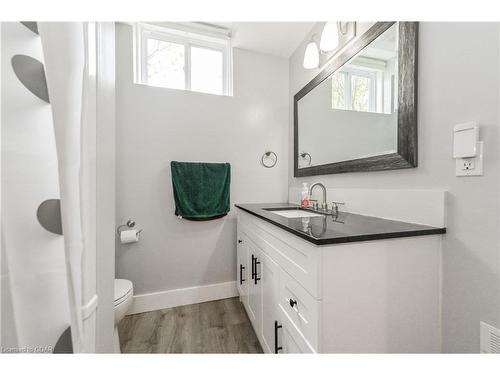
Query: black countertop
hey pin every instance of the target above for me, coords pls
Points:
(327, 230)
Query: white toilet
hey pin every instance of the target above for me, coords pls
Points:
(124, 291)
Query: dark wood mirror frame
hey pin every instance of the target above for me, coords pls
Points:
(406, 155)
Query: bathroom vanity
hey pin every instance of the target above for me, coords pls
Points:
(346, 283)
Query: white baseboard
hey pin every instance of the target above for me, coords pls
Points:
(180, 297)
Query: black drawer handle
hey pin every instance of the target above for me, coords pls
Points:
(256, 278)
(292, 302)
(240, 241)
(276, 327)
(241, 274)
(253, 267)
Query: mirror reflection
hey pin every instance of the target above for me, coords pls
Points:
(353, 113)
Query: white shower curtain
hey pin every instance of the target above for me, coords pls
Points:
(64, 55)
(34, 297)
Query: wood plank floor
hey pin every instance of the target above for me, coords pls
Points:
(211, 327)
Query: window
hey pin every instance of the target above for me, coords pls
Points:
(206, 70)
(165, 64)
(354, 90)
(180, 59)
(361, 98)
(339, 93)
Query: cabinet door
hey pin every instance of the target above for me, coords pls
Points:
(254, 288)
(290, 340)
(242, 269)
(270, 293)
(288, 343)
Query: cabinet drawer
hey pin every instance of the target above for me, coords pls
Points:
(304, 314)
(299, 258)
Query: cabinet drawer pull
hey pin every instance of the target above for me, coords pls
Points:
(276, 327)
(292, 302)
(240, 241)
(253, 267)
(241, 274)
(256, 278)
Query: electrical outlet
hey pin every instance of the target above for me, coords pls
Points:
(465, 167)
(489, 337)
(467, 164)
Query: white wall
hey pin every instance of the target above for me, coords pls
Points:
(157, 125)
(458, 82)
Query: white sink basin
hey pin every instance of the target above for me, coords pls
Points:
(294, 213)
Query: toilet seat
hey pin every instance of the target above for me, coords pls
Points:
(123, 289)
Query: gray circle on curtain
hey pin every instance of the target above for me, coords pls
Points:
(31, 73)
(49, 215)
(33, 26)
(64, 344)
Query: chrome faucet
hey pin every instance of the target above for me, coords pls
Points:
(324, 205)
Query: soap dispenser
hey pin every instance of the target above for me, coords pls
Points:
(304, 200)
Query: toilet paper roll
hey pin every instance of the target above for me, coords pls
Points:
(128, 236)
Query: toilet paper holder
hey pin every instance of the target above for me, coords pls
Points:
(129, 224)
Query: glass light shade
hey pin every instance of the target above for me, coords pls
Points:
(329, 37)
(311, 56)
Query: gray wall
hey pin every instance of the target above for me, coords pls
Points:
(157, 125)
(458, 82)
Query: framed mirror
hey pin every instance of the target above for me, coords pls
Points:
(360, 112)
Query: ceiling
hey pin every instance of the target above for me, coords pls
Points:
(273, 38)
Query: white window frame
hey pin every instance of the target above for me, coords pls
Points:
(372, 87)
(188, 37)
(348, 73)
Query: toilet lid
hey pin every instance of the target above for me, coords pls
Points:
(122, 289)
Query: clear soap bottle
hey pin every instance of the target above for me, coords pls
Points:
(304, 199)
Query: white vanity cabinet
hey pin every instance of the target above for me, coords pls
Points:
(242, 267)
(258, 285)
(269, 275)
(360, 297)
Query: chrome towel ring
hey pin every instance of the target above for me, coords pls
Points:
(306, 156)
(269, 159)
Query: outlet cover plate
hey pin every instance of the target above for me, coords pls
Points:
(489, 338)
(468, 167)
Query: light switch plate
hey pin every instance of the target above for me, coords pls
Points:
(468, 167)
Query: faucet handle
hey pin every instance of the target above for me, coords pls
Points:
(335, 207)
(314, 203)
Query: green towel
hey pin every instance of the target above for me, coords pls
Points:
(201, 190)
